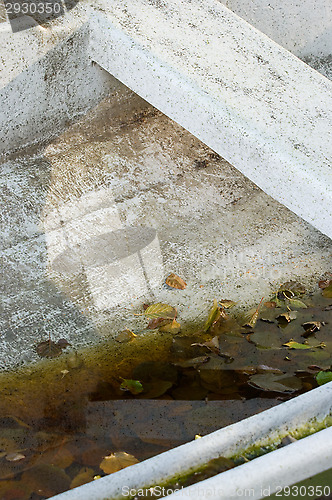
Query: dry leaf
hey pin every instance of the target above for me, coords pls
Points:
(295, 345)
(251, 317)
(173, 327)
(160, 310)
(188, 363)
(288, 316)
(212, 345)
(175, 281)
(214, 315)
(324, 284)
(117, 461)
(48, 349)
(227, 304)
(270, 304)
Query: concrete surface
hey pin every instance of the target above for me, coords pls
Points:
(125, 165)
(251, 101)
(302, 27)
(126, 178)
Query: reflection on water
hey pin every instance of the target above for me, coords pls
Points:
(118, 262)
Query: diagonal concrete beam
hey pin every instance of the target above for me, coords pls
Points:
(253, 102)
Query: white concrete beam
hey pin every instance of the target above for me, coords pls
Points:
(243, 95)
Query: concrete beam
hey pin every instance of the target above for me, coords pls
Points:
(243, 95)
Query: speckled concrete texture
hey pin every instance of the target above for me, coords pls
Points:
(251, 101)
(73, 266)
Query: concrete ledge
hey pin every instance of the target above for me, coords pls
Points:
(250, 100)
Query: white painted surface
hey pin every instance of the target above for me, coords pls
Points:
(266, 427)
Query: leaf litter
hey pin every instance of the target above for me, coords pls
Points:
(46, 446)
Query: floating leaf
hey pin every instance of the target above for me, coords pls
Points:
(213, 317)
(294, 287)
(84, 476)
(324, 377)
(287, 317)
(173, 327)
(227, 304)
(125, 336)
(156, 388)
(295, 345)
(251, 317)
(175, 281)
(117, 461)
(133, 386)
(14, 457)
(297, 304)
(276, 383)
(160, 310)
(188, 363)
(212, 345)
(48, 349)
(311, 327)
(314, 325)
(327, 292)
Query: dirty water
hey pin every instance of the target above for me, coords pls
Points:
(64, 419)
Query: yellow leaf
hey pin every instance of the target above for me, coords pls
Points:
(173, 327)
(84, 476)
(117, 461)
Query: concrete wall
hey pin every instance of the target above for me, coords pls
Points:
(46, 80)
(304, 27)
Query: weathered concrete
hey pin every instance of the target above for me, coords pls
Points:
(302, 27)
(254, 103)
(126, 165)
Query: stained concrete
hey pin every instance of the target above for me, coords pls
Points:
(94, 222)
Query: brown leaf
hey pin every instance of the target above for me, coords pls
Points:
(270, 304)
(175, 281)
(117, 461)
(324, 284)
(251, 317)
(311, 327)
(212, 345)
(157, 322)
(48, 349)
